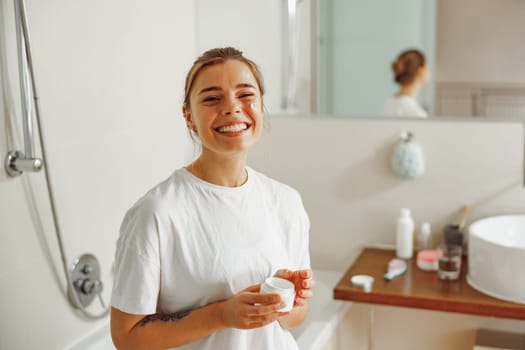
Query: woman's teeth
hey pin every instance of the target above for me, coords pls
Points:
(233, 128)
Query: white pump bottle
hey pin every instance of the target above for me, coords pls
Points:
(405, 235)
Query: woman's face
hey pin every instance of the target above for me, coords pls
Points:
(225, 108)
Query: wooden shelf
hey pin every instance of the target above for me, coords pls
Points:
(420, 289)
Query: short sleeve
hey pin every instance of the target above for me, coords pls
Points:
(136, 269)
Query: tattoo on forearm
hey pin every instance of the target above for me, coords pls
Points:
(164, 317)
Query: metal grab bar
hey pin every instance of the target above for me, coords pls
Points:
(16, 161)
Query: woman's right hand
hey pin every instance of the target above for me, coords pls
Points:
(249, 309)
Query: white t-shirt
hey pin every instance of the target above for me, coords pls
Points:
(188, 243)
(403, 106)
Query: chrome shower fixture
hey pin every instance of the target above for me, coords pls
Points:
(16, 162)
(83, 279)
(86, 283)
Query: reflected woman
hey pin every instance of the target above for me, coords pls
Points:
(411, 73)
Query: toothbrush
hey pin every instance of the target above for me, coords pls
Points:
(396, 267)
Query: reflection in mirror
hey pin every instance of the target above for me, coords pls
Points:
(411, 73)
(474, 50)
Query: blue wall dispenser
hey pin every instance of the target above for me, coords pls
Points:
(408, 161)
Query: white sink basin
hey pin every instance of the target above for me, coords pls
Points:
(496, 257)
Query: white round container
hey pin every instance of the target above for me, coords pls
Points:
(285, 288)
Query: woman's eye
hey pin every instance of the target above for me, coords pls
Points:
(211, 99)
(247, 94)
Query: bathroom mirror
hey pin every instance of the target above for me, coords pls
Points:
(474, 50)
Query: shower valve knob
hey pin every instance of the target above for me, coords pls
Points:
(88, 286)
(87, 269)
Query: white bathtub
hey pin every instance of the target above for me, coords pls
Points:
(325, 314)
(99, 339)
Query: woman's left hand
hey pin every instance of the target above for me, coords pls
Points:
(303, 282)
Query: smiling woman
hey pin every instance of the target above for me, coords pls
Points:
(193, 251)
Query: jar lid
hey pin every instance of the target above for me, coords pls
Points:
(429, 255)
(364, 281)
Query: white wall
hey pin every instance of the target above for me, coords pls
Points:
(341, 168)
(110, 77)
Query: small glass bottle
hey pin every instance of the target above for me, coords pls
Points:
(423, 237)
